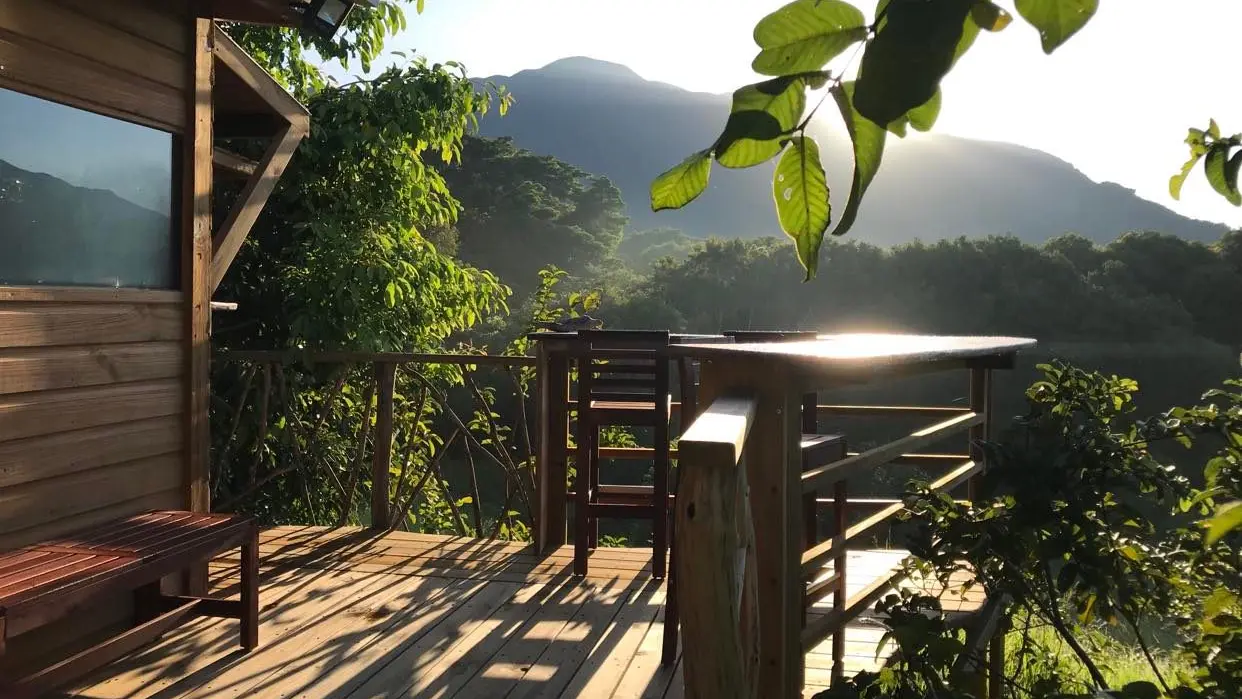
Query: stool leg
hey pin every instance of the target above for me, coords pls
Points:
(582, 484)
(668, 653)
(839, 599)
(593, 524)
(250, 590)
(659, 526)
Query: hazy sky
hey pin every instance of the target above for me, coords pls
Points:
(1115, 101)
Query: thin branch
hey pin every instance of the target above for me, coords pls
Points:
(364, 431)
(476, 507)
(1054, 616)
(1151, 661)
(260, 443)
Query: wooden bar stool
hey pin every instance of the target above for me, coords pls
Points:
(623, 380)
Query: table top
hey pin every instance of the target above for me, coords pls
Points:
(861, 350)
(675, 338)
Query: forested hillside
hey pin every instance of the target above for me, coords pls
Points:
(607, 120)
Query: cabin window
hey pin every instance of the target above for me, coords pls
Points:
(85, 199)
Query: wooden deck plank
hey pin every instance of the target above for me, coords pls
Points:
(447, 640)
(646, 678)
(325, 655)
(506, 668)
(604, 666)
(203, 648)
(349, 613)
(558, 663)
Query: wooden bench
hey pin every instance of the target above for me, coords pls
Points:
(51, 580)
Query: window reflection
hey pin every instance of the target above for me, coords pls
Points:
(84, 199)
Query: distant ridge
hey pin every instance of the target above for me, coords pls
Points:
(606, 119)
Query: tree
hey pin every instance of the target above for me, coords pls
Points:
(906, 50)
(522, 212)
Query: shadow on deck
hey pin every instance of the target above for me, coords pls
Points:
(346, 613)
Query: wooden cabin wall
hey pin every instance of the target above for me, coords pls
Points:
(123, 58)
(93, 381)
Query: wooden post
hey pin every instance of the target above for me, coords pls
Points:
(840, 498)
(249, 616)
(552, 433)
(980, 399)
(810, 504)
(381, 463)
(196, 259)
(996, 663)
(715, 555)
(774, 469)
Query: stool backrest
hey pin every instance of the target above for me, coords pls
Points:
(624, 366)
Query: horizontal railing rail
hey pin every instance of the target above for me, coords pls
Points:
(361, 390)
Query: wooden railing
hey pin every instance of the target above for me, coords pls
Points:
(716, 645)
(366, 385)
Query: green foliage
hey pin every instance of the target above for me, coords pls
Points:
(914, 45)
(868, 141)
(1143, 287)
(804, 35)
(1057, 20)
(521, 212)
(336, 259)
(906, 52)
(801, 193)
(682, 184)
(770, 108)
(1061, 528)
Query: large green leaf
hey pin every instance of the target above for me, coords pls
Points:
(800, 189)
(1227, 519)
(915, 46)
(805, 34)
(683, 183)
(1057, 20)
(782, 99)
(868, 140)
(1222, 173)
(921, 118)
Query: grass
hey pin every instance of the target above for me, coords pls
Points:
(1115, 653)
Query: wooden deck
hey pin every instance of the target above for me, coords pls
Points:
(347, 614)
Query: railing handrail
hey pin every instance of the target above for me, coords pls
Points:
(334, 356)
(715, 554)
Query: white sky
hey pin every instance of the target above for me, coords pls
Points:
(1115, 101)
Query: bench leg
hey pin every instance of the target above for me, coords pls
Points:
(250, 591)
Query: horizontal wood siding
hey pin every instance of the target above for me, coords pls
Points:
(92, 403)
(50, 368)
(124, 58)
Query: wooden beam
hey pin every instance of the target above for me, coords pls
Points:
(196, 263)
(232, 164)
(238, 62)
(250, 204)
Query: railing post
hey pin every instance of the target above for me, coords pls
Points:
(980, 402)
(381, 463)
(716, 556)
(552, 434)
(840, 500)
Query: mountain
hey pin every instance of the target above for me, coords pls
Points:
(606, 119)
(58, 233)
